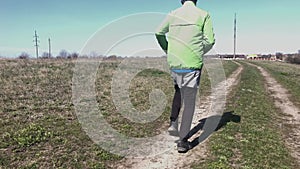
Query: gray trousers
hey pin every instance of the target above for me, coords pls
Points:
(189, 98)
(188, 84)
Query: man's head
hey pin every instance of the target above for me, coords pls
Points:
(183, 1)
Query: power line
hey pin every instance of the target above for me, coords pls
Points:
(49, 47)
(36, 41)
(234, 50)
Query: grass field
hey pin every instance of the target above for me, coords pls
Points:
(255, 142)
(39, 128)
(288, 75)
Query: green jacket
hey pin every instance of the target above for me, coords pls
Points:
(190, 36)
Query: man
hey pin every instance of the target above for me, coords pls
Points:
(190, 36)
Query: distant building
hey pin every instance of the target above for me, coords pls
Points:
(252, 56)
(298, 51)
(230, 56)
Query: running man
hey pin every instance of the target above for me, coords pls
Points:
(190, 36)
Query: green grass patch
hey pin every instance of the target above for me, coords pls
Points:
(31, 134)
(139, 90)
(286, 74)
(255, 142)
(39, 128)
(229, 67)
(205, 84)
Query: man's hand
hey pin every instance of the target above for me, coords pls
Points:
(162, 40)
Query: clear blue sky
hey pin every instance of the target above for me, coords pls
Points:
(264, 26)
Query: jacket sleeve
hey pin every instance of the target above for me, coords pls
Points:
(161, 32)
(209, 39)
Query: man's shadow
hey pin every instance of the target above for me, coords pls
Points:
(210, 125)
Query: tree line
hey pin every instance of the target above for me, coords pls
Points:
(293, 58)
(63, 54)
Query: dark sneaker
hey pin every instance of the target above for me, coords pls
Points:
(173, 129)
(183, 146)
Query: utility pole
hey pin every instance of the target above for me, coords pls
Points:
(234, 50)
(49, 47)
(36, 41)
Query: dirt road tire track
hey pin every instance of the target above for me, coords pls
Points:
(291, 112)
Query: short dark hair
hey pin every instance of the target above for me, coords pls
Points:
(183, 1)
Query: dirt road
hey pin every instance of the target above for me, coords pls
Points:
(290, 122)
(172, 159)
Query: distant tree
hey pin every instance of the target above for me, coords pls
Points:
(297, 59)
(293, 59)
(46, 55)
(279, 55)
(84, 56)
(112, 57)
(24, 55)
(289, 59)
(63, 54)
(73, 55)
(93, 54)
